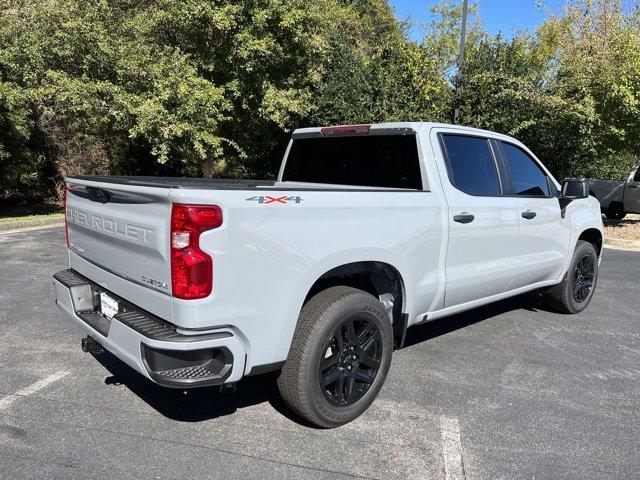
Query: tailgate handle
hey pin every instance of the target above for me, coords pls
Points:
(98, 194)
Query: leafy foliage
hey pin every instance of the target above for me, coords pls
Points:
(214, 87)
(570, 91)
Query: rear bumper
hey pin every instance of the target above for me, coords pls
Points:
(148, 344)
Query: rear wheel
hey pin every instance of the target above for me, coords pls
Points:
(615, 212)
(574, 293)
(339, 357)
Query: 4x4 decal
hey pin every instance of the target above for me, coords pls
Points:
(266, 199)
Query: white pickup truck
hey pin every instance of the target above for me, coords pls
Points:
(368, 229)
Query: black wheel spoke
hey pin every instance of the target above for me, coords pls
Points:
(577, 287)
(350, 382)
(331, 377)
(369, 361)
(339, 339)
(351, 333)
(365, 334)
(328, 362)
(340, 389)
(354, 350)
(583, 292)
(368, 344)
(365, 376)
(584, 275)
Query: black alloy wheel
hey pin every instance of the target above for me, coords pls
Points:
(574, 293)
(339, 356)
(583, 283)
(350, 361)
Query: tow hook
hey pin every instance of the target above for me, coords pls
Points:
(89, 345)
(227, 388)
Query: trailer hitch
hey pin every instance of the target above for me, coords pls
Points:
(89, 345)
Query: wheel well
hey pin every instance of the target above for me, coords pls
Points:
(593, 236)
(376, 278)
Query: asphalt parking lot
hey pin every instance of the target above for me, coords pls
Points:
(506, 391)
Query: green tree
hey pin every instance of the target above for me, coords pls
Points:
(375, 74)
(191, 87)
(596, 59)
(204, 87)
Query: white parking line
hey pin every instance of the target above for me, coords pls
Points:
(451, 449)
(31, 389)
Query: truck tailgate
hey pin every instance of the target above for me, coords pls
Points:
(123, 229)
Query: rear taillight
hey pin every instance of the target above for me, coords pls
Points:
(191, 268)
(66, 224)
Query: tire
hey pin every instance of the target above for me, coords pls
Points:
(615, 212)
(359, 364)
(563, 297)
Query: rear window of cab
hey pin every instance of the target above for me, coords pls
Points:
(383, 161)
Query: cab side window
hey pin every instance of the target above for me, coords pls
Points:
(636, 178)
(527, 178)
(470, 163)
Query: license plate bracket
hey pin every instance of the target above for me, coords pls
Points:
(108, 305)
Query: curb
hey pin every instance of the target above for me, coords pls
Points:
(30, 229)
(619, 244)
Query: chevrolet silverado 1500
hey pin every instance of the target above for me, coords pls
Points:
(367, 230)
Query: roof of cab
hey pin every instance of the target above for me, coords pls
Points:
(403, 126)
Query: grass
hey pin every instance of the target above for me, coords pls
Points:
(30, 215)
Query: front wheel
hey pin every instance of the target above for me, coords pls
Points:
(339, 357)
(574, 293)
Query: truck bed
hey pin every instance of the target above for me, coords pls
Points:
(606, 191)
(178, 182)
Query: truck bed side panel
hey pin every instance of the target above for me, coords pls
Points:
(607, 191)
(268, 254)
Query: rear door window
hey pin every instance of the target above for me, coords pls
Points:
(471, 165)
(527, 178)
(386, 161)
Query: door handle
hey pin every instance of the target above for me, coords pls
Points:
(528, 215)
(632, 186)
(463, 218)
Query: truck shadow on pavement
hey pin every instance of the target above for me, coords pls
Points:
(428, 330)
(207, 403)
(197, 404)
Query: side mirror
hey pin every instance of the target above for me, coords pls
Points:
(575, 188)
